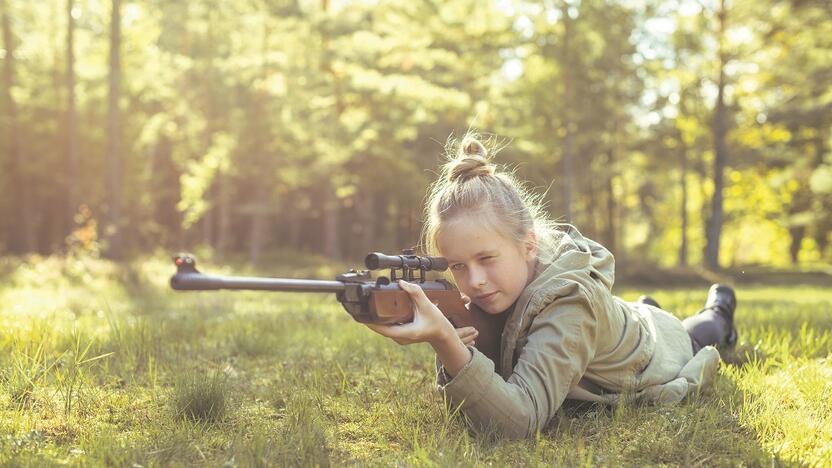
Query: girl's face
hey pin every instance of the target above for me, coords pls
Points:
(487, 267)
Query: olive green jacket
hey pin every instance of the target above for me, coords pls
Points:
(569, 337)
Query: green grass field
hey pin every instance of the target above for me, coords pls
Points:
(101, 364)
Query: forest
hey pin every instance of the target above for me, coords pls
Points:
(681, 132)
(692, 138)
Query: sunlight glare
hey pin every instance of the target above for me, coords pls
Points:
(512, 69)
(132, 13)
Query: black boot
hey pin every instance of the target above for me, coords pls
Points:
(649, 301)
(722, 299)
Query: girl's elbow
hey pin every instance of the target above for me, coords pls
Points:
(519, 427)
(518, 433)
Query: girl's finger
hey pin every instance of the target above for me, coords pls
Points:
(417, 295)
(466, 331)
(467, 335)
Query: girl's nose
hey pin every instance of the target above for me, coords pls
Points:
(477, 278)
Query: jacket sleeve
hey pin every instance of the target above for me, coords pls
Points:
(561, 343)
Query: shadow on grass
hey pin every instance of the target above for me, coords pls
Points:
(704, 430)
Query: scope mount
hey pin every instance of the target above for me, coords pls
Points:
(404, 272)
(408, 274)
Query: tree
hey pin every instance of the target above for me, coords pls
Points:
(114, 136)
(713, 226)
(796, 91)
(71, 119)
(23, 237)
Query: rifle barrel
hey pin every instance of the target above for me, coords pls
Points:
(195, 281)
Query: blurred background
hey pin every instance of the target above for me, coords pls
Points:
(690, 133)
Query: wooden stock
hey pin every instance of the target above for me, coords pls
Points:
(396, 307)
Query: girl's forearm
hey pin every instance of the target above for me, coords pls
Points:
(450, 350)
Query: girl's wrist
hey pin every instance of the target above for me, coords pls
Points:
(446, 336)
(451, 351)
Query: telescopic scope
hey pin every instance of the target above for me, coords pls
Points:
(377, 261)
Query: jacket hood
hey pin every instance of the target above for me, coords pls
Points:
(574, 265)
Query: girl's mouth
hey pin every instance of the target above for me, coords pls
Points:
(486, 298)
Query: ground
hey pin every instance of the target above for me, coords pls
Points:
(102, 364)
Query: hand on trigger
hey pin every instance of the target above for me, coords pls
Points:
(428, 325)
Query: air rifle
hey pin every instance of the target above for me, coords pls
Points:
(367, 300)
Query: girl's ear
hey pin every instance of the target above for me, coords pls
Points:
(530, 245)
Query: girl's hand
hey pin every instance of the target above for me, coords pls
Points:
(467, 335)
(428, 325)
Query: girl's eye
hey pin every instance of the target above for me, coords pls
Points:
(457, 266)
(487, 258)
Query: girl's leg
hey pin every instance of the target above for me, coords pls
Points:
(714, 325)
(708, 327)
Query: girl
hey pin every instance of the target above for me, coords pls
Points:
(564, 335)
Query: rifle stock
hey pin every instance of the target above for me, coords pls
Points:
(396, 307)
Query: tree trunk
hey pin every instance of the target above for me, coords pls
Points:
(71, 123)
(609, 231)
(683, 209)
(262, 198)
(164, 184)
(796, 233)
(51, 216)
(568, 175)
(801, 204)
(294, 217)
(823, 228)
(216, 231)
(208, 218)
(23, 238)
(823, 225)
(589, 219)
(330, 214)
(367, 216)
(114, 135)
(224, 213)
(259, 223)
(713, 229)
(331, 242)
(401, 224)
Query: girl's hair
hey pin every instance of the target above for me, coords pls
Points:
(470, 184)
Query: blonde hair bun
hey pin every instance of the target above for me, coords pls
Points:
(471, 183)
(471, 161)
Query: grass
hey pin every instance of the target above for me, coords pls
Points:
(200, 396)
(100, 364)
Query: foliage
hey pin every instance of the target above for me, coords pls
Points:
(316, 126)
